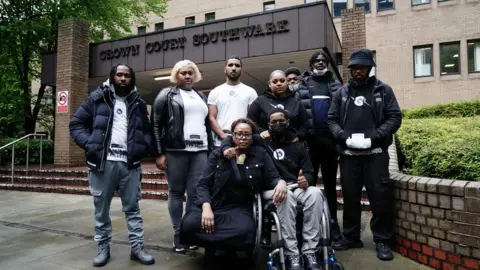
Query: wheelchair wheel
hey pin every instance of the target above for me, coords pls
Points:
(337, 266)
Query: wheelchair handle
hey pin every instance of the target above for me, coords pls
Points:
(292, 186)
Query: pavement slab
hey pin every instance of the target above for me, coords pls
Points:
(55, 231)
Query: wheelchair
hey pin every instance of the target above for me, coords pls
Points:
(265, 215)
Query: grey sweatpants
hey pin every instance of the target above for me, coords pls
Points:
(116, 178)
(312, 201)
(183, 172)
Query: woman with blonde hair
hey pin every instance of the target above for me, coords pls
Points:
(183, 139)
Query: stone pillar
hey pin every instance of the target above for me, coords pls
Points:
(72, 76)
(353, 36)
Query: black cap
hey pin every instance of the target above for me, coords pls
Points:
(362, 57)
(293, 70)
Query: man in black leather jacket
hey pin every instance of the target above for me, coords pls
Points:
(363, 117)
(315, 92)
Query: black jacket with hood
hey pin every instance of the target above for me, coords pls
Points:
(260, 108)
(386, 112)
(168, 120)
(304, 93)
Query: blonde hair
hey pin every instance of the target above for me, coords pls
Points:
(182, 64)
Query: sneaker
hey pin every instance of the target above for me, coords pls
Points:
(293, 262)
(193, 247)
(310, 262)
(177, 247)
(347, 243)
(335, 233)
(384, 252)
(139, 253)
(103, 254)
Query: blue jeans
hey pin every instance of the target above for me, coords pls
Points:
(117, 178)
(183, 172)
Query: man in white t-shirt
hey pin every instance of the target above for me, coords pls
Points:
(229, 101)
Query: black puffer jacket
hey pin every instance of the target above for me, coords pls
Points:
(387, 114)
(260, 108)
(168, 120)
(91, 127)
(304, 93)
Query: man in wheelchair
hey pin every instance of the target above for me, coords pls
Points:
(293, 164)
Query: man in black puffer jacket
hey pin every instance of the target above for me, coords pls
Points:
(363, 117)
(315, 93)
(113, 128)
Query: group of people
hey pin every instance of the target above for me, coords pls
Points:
(224, 148)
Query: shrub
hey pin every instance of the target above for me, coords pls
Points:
(440, 147)
(21, 152)
(451, 110)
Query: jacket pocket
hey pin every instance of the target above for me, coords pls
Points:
(95, 183)
(254, 174)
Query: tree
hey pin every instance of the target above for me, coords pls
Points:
(28, 28)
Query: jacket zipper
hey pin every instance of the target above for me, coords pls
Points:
(105, 146)
(129, 113)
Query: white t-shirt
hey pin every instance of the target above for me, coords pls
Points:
(194, 129)
(117, 151)
(232, 103)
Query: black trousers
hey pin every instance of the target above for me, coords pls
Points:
(323, 153)
(371, 171)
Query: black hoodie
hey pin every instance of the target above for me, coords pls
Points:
(258, 112)
(289, 156)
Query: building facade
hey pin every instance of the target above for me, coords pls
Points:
(428, 50)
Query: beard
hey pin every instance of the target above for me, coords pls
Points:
(235, 77)
(122, 90)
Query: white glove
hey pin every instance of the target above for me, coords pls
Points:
(359, 143)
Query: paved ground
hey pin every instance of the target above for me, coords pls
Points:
(54, 232)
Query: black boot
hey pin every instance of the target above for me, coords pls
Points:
(209, 258)
(347, 243)
(335, 233)
(384, 252)
(293, 262)
(103, 254)
(310, 262)
(139, 253)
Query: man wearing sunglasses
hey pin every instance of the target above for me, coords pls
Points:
(315, 92)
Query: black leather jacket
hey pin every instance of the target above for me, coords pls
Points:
(168, 120)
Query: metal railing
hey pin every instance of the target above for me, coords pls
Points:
(28, 151)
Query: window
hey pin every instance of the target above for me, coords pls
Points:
(141, 30)
(310, 1)
(159, 26)
(473, 47)
(420, 2)
(423, 58)
(190, 20)
(210, 17)
(363, 3)
(338, 6)
(269, 6)
(373, 71)
(385, 4)
(450, 58)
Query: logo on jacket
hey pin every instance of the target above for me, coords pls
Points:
(280, 106)
(359, 101)
(279, 154)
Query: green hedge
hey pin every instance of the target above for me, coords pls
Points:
(21, 152)
(451, 110)
(440, 147)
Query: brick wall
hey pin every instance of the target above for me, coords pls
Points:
(353, 36)
(72, 76)
(438, 220)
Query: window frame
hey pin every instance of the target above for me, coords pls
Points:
(431, 66)
(210, 13)
(384, 9)
(374, 52)
(477, 40)
(421, 4)
(141, 27)
(269, 3)
(190, 17)
(159, 23)
(313, 1)
(333, 9)
(369, 5)
(459, 57)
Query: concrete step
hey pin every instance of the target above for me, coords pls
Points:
(70, 173)
(146, 193)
